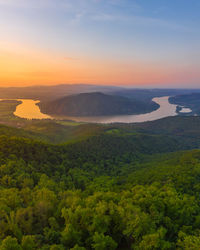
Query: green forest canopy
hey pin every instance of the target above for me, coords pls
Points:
(121, 188)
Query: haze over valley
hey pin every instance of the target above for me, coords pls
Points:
(113, 104)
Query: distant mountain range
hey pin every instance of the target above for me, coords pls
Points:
(96, 104)
(49, 93)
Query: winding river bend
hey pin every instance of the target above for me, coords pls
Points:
(29, 109)
(166, 109)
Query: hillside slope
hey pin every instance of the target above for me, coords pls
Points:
(108, 192)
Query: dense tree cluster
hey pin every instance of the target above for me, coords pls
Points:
(92, 195)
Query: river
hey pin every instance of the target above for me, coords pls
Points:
(166, 109)
(29, 110)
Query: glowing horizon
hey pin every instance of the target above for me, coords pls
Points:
(114, 42)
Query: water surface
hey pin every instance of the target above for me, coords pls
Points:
(29, 109)
(185, 110)
(166, 109)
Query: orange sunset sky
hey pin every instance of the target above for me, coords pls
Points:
(99, 42)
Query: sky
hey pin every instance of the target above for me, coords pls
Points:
(139, 43)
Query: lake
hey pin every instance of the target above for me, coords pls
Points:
(29, 109)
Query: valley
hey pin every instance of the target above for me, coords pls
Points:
(29, 109)
(81, 185)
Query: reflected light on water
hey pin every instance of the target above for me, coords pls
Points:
(29, 110)
(166, 109)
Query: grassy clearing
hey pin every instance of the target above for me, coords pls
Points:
(68, 123)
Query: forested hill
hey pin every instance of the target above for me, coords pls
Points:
(121, 187)
(96, 104)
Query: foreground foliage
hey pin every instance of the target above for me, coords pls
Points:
(111, 191)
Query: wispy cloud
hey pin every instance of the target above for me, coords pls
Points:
(141, 21)
(100, 11)
(103, 17)
(157, 22)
